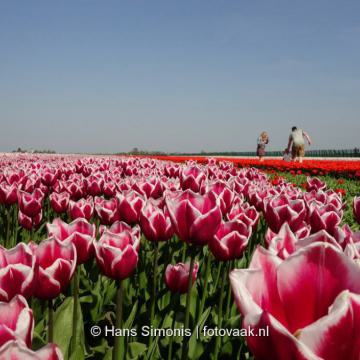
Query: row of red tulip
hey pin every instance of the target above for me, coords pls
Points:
(345, 168)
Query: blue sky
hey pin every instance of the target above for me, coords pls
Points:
(106, 76)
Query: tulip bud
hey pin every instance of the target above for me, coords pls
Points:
(177, 276)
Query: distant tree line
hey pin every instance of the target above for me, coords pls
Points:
(34, 151)
(136, 151)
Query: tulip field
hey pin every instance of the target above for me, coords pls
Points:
(109, 257)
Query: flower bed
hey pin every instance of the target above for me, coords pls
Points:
(123, 257)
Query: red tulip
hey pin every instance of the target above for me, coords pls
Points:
(195, 217)
(59, 202)
(155, 223)
(16, 350)
(16, 272)
(315, 184)
(257, 196)
(94, 185)
(28, 222)
(306, 305)
(299, 234)
(124, 185)
(130, 206)
(12, 177)
(107, 210)
(83, 208)
(49, 178)
(74, 188)
(8, 194)
(245, 213)
(320, 236)
(171, 170)
(349, 241)
(320, 198)
(30, 183)
(171, 184)
(286, 242)
(240, 186)
(223, 192)
(356, 208)
(116, 254)
(192, 177)
(230, 240)
(118, 227)
(345, 235)
(30, 204)
(280, 209)
(177, 276)
(55, 266)
(149, 188)
(109, 189)
(79, 232)
(325, 217)
(16, 321)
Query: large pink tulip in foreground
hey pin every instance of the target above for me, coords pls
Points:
(310, 301)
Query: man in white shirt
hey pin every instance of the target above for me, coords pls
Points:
(297, 143)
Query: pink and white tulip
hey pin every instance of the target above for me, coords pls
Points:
(195, 217)
(306, 305)
(16, 272)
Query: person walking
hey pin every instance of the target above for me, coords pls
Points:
(262, 141)
(297, 143)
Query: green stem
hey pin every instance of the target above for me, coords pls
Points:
(75, 310)
(153, 294)
(16, 224)
(97, 224)
(50, 321)
(175, 304)
(118, 321)
(184, 253)
(218, 338)
(187, 313)
(7, 244)
(227, 313)
(48, 208)
(217, 276)
(204, 295)
(171, 337)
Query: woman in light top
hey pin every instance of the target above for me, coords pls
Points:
(297, 143)
(262, 141)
